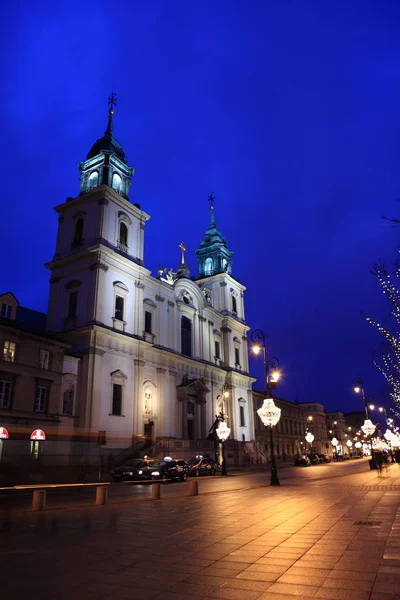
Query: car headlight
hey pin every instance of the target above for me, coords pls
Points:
(140, 472)
(155, 473)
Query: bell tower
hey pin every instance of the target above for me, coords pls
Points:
(106, 162)
(213, 256)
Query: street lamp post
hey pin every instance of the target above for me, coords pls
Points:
(368, 428)
(334, 443)
(223, 432)
(268, 413)
(310, 439)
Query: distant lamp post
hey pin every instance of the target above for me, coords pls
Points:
(349, 444)
(358, 445)
(368, 428)
(309, 438)
(334, 443)
(223, 432)
(270, 415)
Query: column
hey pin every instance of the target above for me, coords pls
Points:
(172, 409)
(162, 411)
(138, 311)
(137, 426)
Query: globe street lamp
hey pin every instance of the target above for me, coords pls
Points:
(223, 432)
(270, 415)
(334, 443)
(368, 428)
(309, 439)
(349, 444)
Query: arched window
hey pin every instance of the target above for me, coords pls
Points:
(234, 304)
(93, 179)
(123, 235)
(117, 182)
(224, 264)
(78, 237)
(186, 336)
(208, 266)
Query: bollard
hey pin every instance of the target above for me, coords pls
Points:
(101, 494)
(156, 491)
(193, 488)
(39, 500)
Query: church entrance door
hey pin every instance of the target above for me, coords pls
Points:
(148, 432)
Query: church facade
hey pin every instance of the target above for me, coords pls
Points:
(159, 356)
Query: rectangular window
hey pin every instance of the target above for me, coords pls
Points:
(237, 356)
(9, 351)
(72, 305)
(217, 350)
(186, 336)
(117, 399)
(147, 321)
(119, 308)
(40, 399)
(44, 359)
(5, 311)
(5, 394)
(242, 423)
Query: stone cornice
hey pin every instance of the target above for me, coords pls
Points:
(139, 363)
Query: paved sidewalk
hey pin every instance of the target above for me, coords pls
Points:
(315, 540)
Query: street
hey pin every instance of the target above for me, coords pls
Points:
(330, 531)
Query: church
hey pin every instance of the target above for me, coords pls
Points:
(159, 356)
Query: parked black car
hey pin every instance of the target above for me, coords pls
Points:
(130, 471)
(302, 460)
(324, 458)
(202, 466)
(163, 470)
(313, 459)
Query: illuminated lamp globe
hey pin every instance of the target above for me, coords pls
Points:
(349, 443)
(309, 438)
(223, 431)
(368, 427)
(269, 413)
(334, 442)
(358, 445)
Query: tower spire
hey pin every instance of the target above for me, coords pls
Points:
(112, 102)
(211, 199)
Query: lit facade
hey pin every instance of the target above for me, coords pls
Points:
(155, 352)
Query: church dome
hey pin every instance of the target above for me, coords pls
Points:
(107, 143)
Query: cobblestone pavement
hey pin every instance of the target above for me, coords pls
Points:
(332, 539)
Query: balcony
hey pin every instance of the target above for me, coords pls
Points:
(123, 247)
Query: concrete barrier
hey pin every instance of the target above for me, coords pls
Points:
(193, 488)
(101, 495)
(156, 491)
(39, 500)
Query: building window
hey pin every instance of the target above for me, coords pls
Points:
(119, 308)
(123, 235)
(234, 304)
(117, 399)
(78, 237)
(208, 266)
(5, 394)
(9, 351)
(117, 182)
(44, 359)
(93, 179)
(147, 321)
(5, 310)
(72, 305)
(186, 336)
(217, 350)
(237, 356)
(242, 421)
(68, 402)
(40, 399)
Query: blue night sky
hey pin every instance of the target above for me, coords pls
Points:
(287, 110)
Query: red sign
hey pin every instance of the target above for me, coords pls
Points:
(3, 433)
(38, 435)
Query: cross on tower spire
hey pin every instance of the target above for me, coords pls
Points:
(211, 199)
(112, 102)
